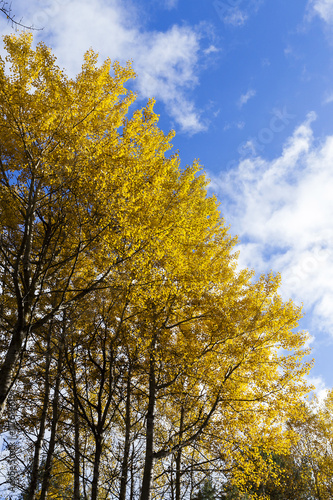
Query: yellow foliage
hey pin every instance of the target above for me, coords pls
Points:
(95, 217)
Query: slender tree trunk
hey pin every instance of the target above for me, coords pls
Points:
(41, 433)
(148, 467)
(191, 477)
(172, 487)
(132, 474)
(54, 425)
(10, 363)
(76, 452)
(124, 467)
(179, 454)
(97, 461)
(84, 476)
(178, 473)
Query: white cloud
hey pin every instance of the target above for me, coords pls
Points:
(239, 125)
(288, 50)
(322, 8)
(233, 13)
(230, 13)
(329, 98)
(166, 69)
(244, 98)
(210, 50)
(170, 4)
(282, 211)
(236, 17)
(321, 389)
(166, 62)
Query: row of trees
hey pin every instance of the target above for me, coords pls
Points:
(137, 358)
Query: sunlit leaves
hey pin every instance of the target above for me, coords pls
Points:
(103, 233)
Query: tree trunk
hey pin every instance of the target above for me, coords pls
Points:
(55, 418)
(41, 433)
(172, 487)
(8, 366)
(97, 461)
(124, 467)
(76, 452)
(179, 454)
(132, 474)
(148, 467)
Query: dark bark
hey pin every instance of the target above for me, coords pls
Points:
(54, 425)
(124, 467)
(172, 487)
(132, 474)
(7, 370)
(149, 455)
(179, 455)
(97, 461)
(40, 438)
(76, 452)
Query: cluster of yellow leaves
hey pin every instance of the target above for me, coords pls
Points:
(313, 443)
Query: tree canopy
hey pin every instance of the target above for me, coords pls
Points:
(136, 356)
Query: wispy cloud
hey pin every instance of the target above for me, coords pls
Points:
(328, 98)
(169, 4)
(211, 50)
(239, 125)
(282, 211)
(244, 98)
(322, 8)
(236, 12)
(265, 62)
(167, 62)
(236, 17)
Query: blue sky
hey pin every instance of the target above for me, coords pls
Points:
(248, 87)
